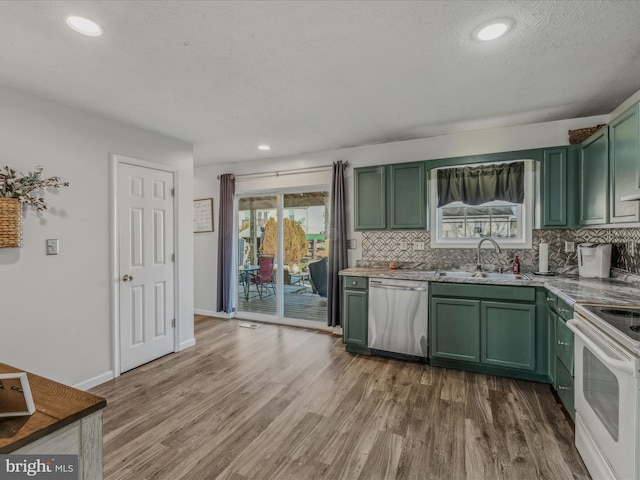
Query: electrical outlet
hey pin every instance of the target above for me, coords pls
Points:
(418, 245)
(404, 246)
(632, 248)
(569, 247)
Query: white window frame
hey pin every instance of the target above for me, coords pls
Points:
(525, 223)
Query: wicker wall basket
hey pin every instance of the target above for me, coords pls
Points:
(579, 135)
(10, 223)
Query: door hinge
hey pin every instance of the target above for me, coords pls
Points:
(173, 192)
(173, 257)
(173, 323)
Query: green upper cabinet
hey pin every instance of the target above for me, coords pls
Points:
(594, 174)
(624, 165)
(407, 195)
(391, 197)
(370, 193)
(555, 186)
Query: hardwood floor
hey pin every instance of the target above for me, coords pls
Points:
(285, 403)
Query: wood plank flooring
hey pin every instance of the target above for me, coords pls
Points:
(285, 403)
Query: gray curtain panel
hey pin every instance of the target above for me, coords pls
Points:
(224, 301)
(337, 243)
(477, 185)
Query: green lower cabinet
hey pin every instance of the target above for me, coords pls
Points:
(551, 352)
(355, 321)
(508, 335)
(492, 329)
(564, 345)
(455, 329)
(564, 387)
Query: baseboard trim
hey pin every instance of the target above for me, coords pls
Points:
(95, 381)
(211, 313)
(187, 343)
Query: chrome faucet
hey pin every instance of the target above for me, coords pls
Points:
(495, 244)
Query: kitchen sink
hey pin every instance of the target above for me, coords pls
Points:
(484, 275)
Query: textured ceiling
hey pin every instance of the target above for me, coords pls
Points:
(310, 76)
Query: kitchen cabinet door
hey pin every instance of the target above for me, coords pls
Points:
(552, 319)
(370, 197)
(508, 335)
(564, 345)
(594, 171)
(624, 165)
(408, 200)
(355, 318)
(564, 387)
(455, 329)
(555, 188)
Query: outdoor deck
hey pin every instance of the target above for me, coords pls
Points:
(299, 303)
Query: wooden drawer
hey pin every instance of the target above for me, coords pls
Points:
(356, 283)
(564, 387)
(564, 345)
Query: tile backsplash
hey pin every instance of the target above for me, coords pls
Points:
(386, 247)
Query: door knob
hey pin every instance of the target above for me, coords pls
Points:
(127, 278)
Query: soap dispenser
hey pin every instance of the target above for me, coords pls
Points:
(516, 265)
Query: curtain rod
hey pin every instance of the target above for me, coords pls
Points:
(286, 172)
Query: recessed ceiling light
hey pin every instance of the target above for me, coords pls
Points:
(264, 147)
(83, 25)
(492, 30)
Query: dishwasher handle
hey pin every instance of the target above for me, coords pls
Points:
(396, 287)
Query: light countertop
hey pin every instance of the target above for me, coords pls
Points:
(570, 288)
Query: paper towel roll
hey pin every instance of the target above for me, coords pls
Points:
(543, 258)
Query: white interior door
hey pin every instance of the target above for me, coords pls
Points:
(145, 226)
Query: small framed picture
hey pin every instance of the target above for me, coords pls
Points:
(15, 395)
(203, 215)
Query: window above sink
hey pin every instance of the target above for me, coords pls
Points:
(458, 225)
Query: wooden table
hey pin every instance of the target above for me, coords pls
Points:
(66, 421)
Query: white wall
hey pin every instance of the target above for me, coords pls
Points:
(472, 143)
(55, 315)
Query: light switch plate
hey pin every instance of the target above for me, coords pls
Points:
(53, 246)
(352, 244)
(418, 245)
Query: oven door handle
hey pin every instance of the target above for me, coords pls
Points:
(620, 365)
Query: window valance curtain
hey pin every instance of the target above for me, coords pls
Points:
(477, 185)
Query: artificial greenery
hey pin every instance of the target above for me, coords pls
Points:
(14, 184)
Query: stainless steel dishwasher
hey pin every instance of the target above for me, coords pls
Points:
(398, 311)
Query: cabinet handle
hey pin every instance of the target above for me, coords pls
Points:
(564, 344)
(560, 387)
(354, 283)
(548, 299)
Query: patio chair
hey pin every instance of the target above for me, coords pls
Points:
(319, 272)
(263, 278)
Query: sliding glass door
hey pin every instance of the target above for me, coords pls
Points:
(287, 233)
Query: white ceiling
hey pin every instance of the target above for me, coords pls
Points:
(308, 76)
